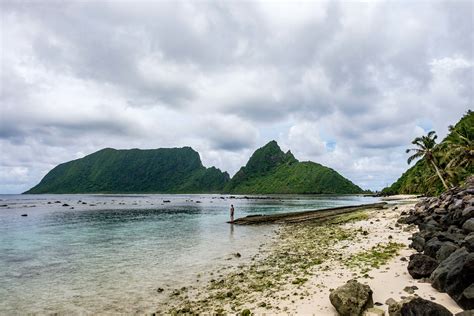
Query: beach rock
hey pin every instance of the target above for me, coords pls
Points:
(394, 307)
(352, 298)
(468, 242)
(455, 237)
(466, 299)
(245, 312)
(454, 275)
(467, 213)
(468, 226)
(432, 247)
(446, 250)
(410, 289)
(390, 301)
(418, 243)
(373, 311)
(410, 219)
(439, 276)
(421, 266)
(422, 307)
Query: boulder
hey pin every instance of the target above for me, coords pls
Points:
(467, 213)
(455, 237)
(466, 299)
(446, 250)
(454, 275)
(422, 307)
(440, 274)
(394, 307)
(468, 226)
(432, 246)
(421, 266)
(418, 243)
(410, 219)
(352, 298)
(459, 279)
(468, 242)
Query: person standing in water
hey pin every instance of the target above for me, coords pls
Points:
(231, 212)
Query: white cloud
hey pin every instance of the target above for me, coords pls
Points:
(343, 83)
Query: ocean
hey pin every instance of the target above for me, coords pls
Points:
(110, 253)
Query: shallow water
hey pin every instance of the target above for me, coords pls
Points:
(112, 253)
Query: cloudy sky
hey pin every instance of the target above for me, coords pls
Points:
(346, 84)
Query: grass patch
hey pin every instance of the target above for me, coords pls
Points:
(350, 217)
(374, 257)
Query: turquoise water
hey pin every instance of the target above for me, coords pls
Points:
(109, 253)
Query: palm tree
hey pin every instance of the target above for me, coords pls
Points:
(460, 148)
(426, 144)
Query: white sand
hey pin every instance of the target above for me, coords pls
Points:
(386, 282)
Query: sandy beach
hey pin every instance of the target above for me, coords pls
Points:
(387, 281)
(297, 270)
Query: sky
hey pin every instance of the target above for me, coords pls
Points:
(346, 84)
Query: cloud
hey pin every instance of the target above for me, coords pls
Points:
(347, 84)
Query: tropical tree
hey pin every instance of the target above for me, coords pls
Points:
(425, 146)
(460, 149)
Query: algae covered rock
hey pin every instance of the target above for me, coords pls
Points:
(352, 298)
(395, 308)
(373, 311)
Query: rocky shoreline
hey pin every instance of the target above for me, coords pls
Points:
(445, 243)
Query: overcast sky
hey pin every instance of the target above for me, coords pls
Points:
(345, 84)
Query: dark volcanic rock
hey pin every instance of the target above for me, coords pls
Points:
(432, 247)
(421, 307)
(446, 235)
(466, 299)
(410, 219)
(446, 250)
(454, 275)
(468, 226)
(455, 237)
(468, 242)
(352, 298)
(421, 266)
(467, 213)
(418, 243)
(440, 275)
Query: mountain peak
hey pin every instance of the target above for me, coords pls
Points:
(270, 170)
(268, 157)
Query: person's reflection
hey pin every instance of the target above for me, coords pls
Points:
(231, 231)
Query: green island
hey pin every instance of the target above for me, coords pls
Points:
(180, 170)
